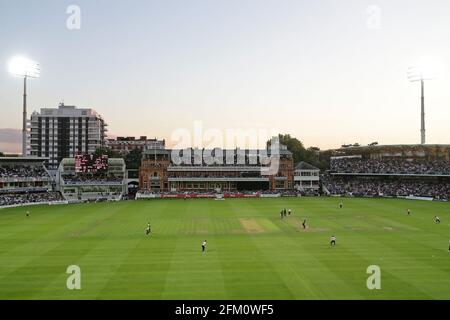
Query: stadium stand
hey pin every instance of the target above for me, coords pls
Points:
(25, 181)
(390, 166)
(391, 171)
(370, 187)
(79, 182)
(10, 199)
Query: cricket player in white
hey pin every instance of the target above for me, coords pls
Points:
(333, 241)
(204, 246)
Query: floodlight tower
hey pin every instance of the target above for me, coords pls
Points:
(416, 74)
(23, 67)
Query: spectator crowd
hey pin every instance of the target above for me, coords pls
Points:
(397, 188)
(24, 198)
(390, 166)
(22, 172)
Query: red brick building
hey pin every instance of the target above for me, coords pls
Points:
(207, 170)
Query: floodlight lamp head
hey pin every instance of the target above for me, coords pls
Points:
(425, 69)
(24, 67)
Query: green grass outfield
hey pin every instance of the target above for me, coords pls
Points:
(252, 253)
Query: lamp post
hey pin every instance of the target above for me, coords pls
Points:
(23, 67)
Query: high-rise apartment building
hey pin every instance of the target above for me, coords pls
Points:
(64, 132)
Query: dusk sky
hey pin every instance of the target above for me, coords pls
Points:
(328, 72)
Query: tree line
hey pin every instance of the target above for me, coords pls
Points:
(312, 155)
